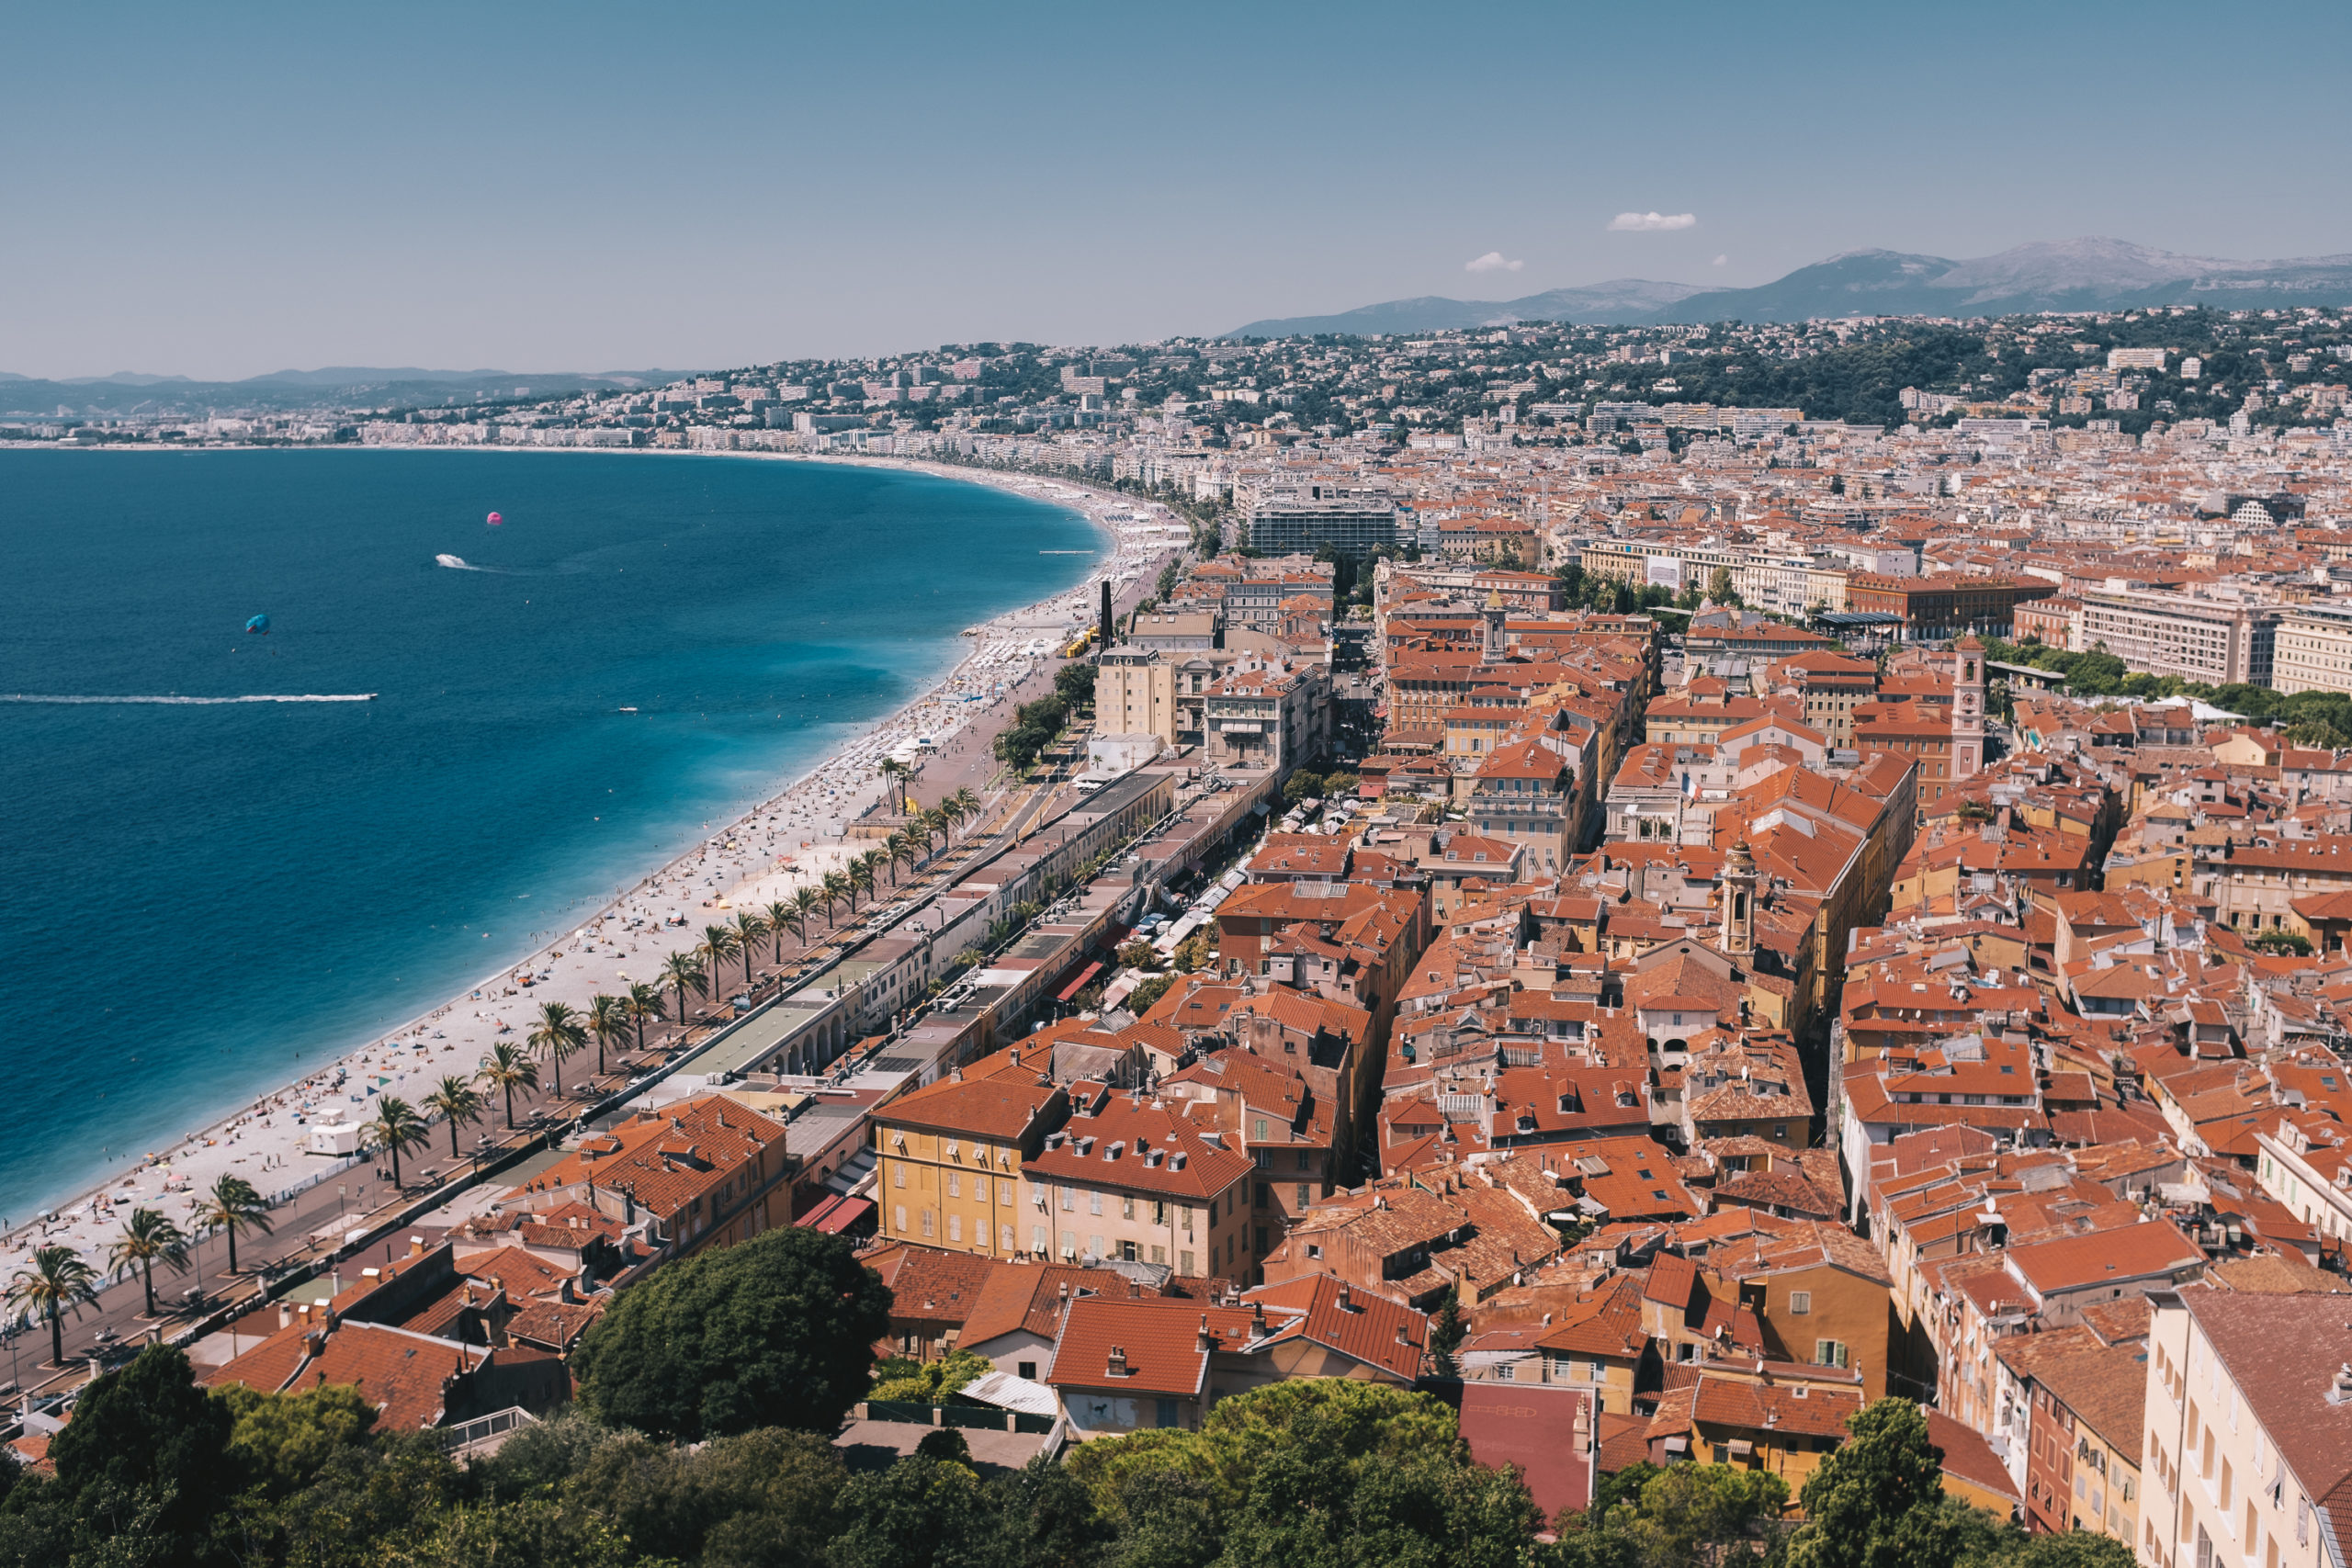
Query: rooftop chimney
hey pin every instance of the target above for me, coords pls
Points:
(1118, 1361)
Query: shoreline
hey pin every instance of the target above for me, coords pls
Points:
(787, 831)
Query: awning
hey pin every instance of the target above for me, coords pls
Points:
(1078, 983)
(835, 1216)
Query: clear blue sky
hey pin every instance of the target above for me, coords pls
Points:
(219, 191)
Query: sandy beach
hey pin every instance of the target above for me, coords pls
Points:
(789, 839)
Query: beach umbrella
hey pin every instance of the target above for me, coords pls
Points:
(258, 623)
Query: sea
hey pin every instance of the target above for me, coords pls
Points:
(198, 897)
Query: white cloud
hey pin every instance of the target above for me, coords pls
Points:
(1721, 260)
(1492, 262)
(1645, 222)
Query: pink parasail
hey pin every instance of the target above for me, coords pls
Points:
(495, 519)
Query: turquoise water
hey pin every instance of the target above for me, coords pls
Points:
(193, 894)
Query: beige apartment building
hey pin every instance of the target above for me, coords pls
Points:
(2218, 642)
(2248, 1420)
(1135, 693)
(2313, 649)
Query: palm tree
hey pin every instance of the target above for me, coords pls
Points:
(897, 773)
(684, 969)
(508, 1070)
(608, 1022)
(458, 1102)
(58, 1282)
(148, 1239)
(396, 1127)
(233, 1205)
(859, 874)
(967, 802)
(718, 945)
(805, 900)
(559, 1033)
(644, 1003)
(835, 887)
(936, 824)
(751, 929)
(894, 850)
(779, 916)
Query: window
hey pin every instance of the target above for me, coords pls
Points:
(1828, 1353)
(1258, 1128)
(1303, 1199)
(955, 1227)
(1506, 1372)
(1037, 1239)
(898, 1174)
(1265, 1195)
(1303, 1164)
(1003, 1237)
(1094, 1203)
(1184, 1263)
(1313, 1249)
(1027, 1370)
(1127, 1207)
(926, 1222)
(1800, 1301)
(1164, 1412)
(954, 1185)
(898, 1219)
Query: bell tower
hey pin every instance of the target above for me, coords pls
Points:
(1967, 708)
(1490, 647)
(1739, 939)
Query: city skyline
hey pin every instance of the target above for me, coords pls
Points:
(537, 192)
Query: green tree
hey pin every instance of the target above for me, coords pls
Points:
(507, 1070)
(231, 1205)
(57, 1281)
(1144, 997)
(282, 1441)
(456, 1101)
(2281, 941)
(395, 1129)
(719, 944)
(920, 1513)
(1706, 1514)
(147, 1238)
(777, 1331)
(1302, 785)
(1875, 1503)
(644, 1007)
(1195, 953)
(558, 1033)
(1446, 1334)
(928, 1381)
(751, 929)
(805, 900)
(147, 1444)
(681, 970)
(609, 1022)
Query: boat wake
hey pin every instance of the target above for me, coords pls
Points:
(196, 701)
(458, 563)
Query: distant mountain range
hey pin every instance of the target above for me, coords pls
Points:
(346, 386)
(2063, 275)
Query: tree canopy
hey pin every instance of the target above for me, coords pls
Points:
(777, 1331)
